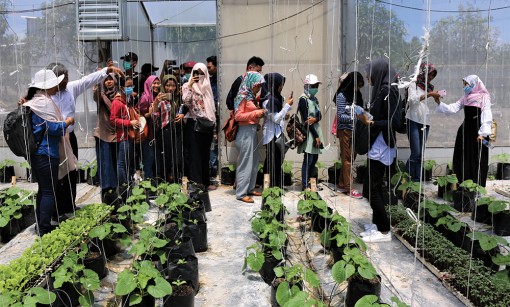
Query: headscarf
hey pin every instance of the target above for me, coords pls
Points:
(348, 86)
(479, 96)
(250, 79)
(148, 95)
(381, 74)
(270, 91)
(110, 93)
(204, 88)
(427, 72)
(165, 80)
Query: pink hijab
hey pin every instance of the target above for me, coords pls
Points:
(147, 90)
(203, 88)
(479, 96)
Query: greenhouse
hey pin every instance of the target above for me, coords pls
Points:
(254, 153)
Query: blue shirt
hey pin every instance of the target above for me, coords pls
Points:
(49, 134)
(344, 120)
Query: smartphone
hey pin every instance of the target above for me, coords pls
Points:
(291, 94)
(195, 73)
(442, 93)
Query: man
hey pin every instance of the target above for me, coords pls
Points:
(213, 159)
(65, 99)
(129, 62)
(186, 69)
(254, 64)
(147, 70)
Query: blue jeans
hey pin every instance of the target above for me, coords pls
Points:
(416, 143)
(148, 148)
(45, 170)
(213, 160)
(106, 167)
(308, 164)
(125, 155)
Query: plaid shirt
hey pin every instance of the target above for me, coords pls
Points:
(166, 114)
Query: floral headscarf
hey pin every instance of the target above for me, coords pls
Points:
(251, 79)
(479, 96)
(422, 78)
(203, 88)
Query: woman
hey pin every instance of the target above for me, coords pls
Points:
(347, 94)
(272, 131)
(383, 149)
(470, 157)
(200, 122)
(418, 115)
(247, 114)
(120, 119)
(49, 128)
(106, 139)
(150, 96)
(310, 113)
(168, 134)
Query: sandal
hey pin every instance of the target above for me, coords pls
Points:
(247, 199)
(255, 193)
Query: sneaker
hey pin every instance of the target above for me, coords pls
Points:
(377, 237)
(369, 229)
(340, 189)
(355, 194)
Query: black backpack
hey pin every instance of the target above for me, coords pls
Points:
(403, 109)
(18, 132)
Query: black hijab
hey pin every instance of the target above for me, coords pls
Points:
(381, 74)
(270, 92)
(348, 88)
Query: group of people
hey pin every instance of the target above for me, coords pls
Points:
(149, 125)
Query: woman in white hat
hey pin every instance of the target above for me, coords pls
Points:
(310, 113)
(49, 128)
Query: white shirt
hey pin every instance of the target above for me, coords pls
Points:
(418, 111)
(486, 120)
(66, 99)
(382, 152)
(273, 123)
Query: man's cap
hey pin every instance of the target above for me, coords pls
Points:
(130, 56)
(311, 79)
(189, 64)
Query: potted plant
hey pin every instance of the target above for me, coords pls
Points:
(464, 199)
(228, 174)
(484, 247)
(318, 210)
(83, 169)
(110, 236)
(134, 209)
(260, 175)
(503, 166)
(16, 212)
(445, 186)
(287, 173)
(92, 176)
(182, 295)
(428, 167)
(334, 172)
(501, 216)
(71, 276)
(183, 268)
(141, 284)
(341, 237)
(359, 272)
(315, 173)
(7, 170)
(361, 171)
(288, 284)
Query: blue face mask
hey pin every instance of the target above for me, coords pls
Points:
(313, 91)
(187, 76)
(127, 65)
(468, 89)
(153, 73)
(128, 90)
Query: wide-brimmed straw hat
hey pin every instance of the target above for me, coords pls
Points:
(45, 79)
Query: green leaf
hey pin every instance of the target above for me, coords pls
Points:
(255, 261)
(367, 271)
(100, 232)
(126, 283)
(367, 300)
(160, 289)
(90, 280)
(278, 271)
(399, 303)
(342, 271)
(43, 296)
(147, 268)
(312, 278)
(282, 293)
(87, 299)
(501, 259)
(135, 298)
(118, 228)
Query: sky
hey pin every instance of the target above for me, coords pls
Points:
(412, 12)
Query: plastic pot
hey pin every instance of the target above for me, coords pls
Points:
(28, 217)
(333, 174)
(185, 271)
(95, 260)
(228, 177)
(204, 197)
(412, 199)
(195, 214)
(111, 247)
(92, 180)
(6, 174)
(67, 295)
(82, 176)
(182, 296)
(361, 170)
(260, 179)
(198, 234)
(464, 201)
(503, 171)
(357, 288)
(182, 250)
(10, 230)
(482, 214)
(267, 270)
(287, 179)
(502, 223)
(147, 301)
(478, 253)
(427, 175)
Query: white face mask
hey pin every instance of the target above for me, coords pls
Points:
(201, 78)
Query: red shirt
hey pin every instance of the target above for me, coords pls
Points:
(119, 117)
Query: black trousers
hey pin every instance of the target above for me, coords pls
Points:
(66, 187)
(273, 164)
(373, 183)
(198, 147)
